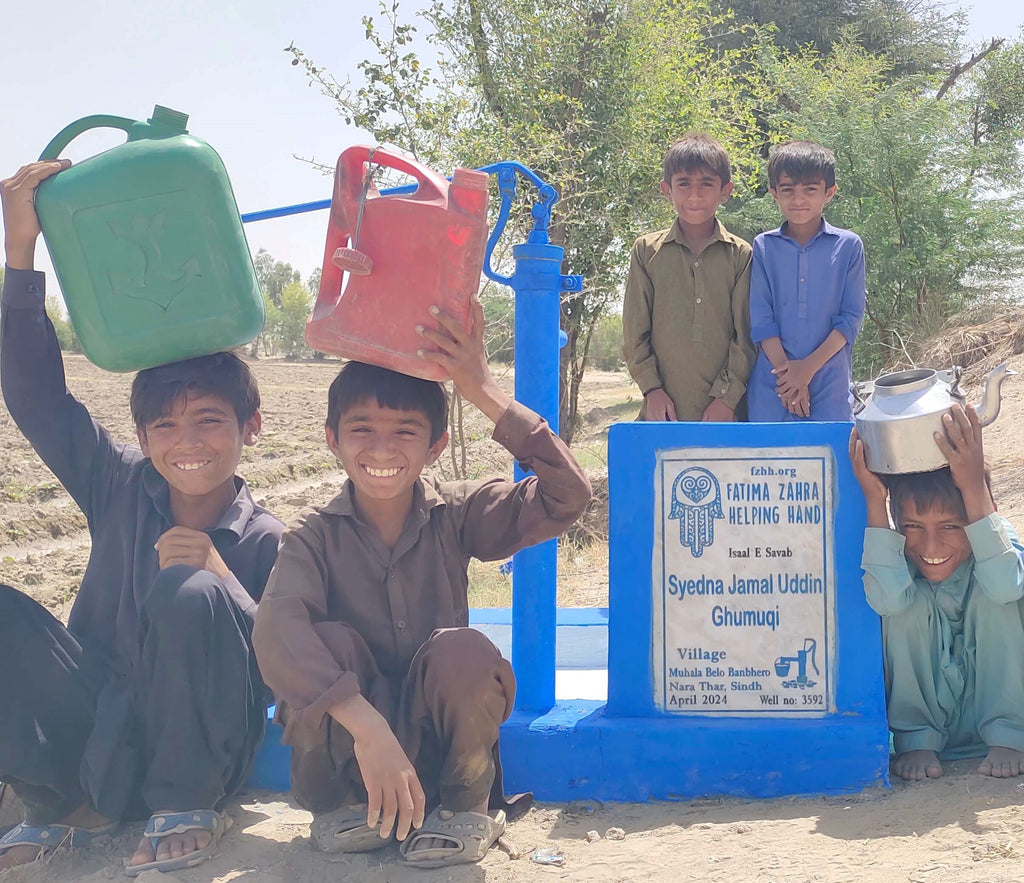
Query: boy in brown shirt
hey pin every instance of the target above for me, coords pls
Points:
(685, 315)
(390, 702)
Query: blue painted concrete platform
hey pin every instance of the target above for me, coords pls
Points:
(576, 751)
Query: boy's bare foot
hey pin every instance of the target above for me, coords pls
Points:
(170, 847)
(1002, 763)
(83, 817)
(18, 855)
(917, 765)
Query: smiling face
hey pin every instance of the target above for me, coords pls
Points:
(196, 447)
(696, 195)
(802, 202)
(384, 450)
(936, 541)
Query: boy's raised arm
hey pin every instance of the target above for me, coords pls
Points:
(499, 517)
(962, 446)
(888, 585)
(77, 450)
(461, 353)
(21, 225)
(998, 565)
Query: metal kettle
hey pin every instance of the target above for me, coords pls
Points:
(898, 414)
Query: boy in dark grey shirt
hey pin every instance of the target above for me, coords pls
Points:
(150, 702)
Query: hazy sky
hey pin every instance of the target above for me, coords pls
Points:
(220, 61)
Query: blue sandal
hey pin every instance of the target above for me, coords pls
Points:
(170, 823)
(50, 838)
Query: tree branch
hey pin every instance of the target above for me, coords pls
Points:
(483, 62)
(958, 70)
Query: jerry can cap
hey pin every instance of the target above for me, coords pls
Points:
(165, 116)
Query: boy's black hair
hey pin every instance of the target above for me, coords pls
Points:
(156, 390)
(696, 150)
(803, 162)
(928, 491)
(358, 382)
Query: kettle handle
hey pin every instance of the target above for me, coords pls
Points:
(68, 134)
(431, 184)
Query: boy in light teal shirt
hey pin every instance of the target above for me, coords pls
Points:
(948, 584)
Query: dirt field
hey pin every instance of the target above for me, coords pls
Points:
(962, 827)
(44, 544)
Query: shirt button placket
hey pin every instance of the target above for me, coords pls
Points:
(802, 288)
(397, 601)
(698, 302)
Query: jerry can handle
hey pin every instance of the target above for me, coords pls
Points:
(68, 134)
(431, 184)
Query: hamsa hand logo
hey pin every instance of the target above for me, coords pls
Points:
(696, 503)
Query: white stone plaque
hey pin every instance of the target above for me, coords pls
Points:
(744, 581)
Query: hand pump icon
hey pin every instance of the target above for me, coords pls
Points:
(801, 681)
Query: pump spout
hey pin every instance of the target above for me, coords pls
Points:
(988, 408)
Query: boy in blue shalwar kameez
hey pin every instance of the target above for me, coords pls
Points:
(948, 584)
(807, 296)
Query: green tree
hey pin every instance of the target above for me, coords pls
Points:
(587, 94)
(606, 344)
(271, 333)
(291, 323)
(499, 314)
(66, 337)
(912, 36)
(916, 181)
(313, 282)
(273, 275)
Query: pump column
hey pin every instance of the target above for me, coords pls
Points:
(538, 284)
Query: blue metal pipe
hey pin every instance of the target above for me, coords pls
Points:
(286, 210)
(538, 283)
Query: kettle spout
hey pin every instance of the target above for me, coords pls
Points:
(988, 408)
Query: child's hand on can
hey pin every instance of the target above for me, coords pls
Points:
(962, 446)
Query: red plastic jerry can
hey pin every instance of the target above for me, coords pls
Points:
(389, 257)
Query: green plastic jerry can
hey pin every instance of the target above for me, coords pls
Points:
(148, 247)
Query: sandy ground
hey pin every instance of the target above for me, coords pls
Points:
(963, 827)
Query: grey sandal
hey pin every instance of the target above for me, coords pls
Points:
(467, 837)
(345, 830)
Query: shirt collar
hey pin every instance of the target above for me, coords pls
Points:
(675, 233)
(424, 498)
(957, 581)
(826, 230)
(234, 519)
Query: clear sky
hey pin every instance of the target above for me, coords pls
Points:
(220, 61)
